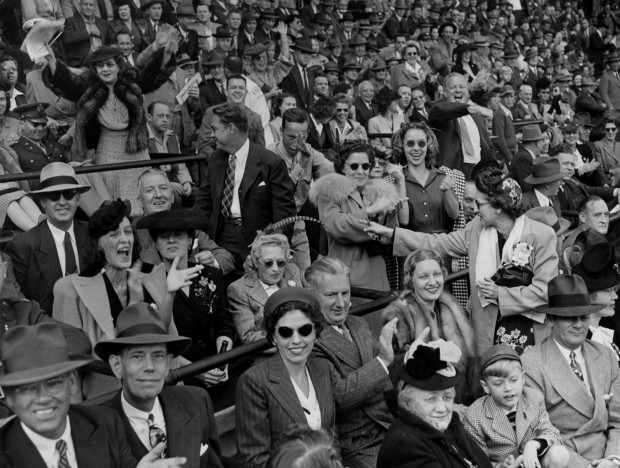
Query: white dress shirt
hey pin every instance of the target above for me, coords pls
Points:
(474, 136)
(310, 404)
(47, 447)
(318, 125)
(580, 359)
(139, 420)
(241, 157)
(543, 199)
(59, 240)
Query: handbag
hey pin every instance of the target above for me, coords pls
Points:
(511, 276)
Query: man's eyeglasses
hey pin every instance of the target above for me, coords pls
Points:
(356, 166)
(55, 385)
(287, 332)
(269, 263)
(66, 194)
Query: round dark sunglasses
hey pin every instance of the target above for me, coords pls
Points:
(355, 166)
(66, 194)
(287, 332)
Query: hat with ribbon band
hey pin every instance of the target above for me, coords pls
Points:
(58, 177)
(568, 297)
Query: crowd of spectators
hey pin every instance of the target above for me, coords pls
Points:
(376, 144)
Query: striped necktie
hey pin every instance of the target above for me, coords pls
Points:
(63, 460)
(229, 187)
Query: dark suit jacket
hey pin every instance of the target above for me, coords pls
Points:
(363, 114)
(506, 141)
(98, 437)
(293, 83)
(530, 200)
(189, 46)
(314, 139)
(266, 193)
(392, 27)
(416, 116)
(77, 40)
(574, 192)
(210, 95)
(266, 405)
(36, 264)
(521, 167)
(33, 159)
(442, 118)
(359, 383)
(190, 424)
(220, 12)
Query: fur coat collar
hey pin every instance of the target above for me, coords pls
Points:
(452, 325)
(338, 188)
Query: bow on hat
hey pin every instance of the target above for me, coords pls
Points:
(423, 360)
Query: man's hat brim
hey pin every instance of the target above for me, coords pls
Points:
(175, 344)
(570, 311)
(61, 188)
(42, 373)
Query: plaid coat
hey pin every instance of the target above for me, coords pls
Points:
(488, 425)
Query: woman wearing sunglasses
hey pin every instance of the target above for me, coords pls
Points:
(345, 198)
(607, 150)
(268, 269)
(499, 235)
(289, 388)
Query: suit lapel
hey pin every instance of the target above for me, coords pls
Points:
(92, 293)
(565, 381)
(90, 442)
(83, 244)
(138, 449)
(47, 256)
(282, 390)
(256, 290)
(299, 82)
(323, 394)
(500, 423)
(21, 450)
(220, 162)
(341, 347)
(183, 435)
(252, 171)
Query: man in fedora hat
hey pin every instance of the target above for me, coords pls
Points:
(152, 22)
(587, 101)
(299, 81)
(188, 37)
(395, 22)
(503, 124)
(609, 87)
(600, 40)
(39, 380)
(545, 181)
(578, 378)
(442, 52)
(532, 141)
(56, 247)
(84, 33)
(181, 416)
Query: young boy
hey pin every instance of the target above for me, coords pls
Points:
(511, 423)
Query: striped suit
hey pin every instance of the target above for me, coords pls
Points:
(359, 383)
(267, 405)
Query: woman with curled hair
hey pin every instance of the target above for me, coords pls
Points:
(110, 109)
(302, 447)
(388, 119)
(432, 199)
(607, 149)
(348, 197)
(93, 299)
(280, 103)
(290, 387)
(342, 127)
(500, 234)
(268, 268)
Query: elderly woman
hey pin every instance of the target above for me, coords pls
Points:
(110, 114)
(345, 198)
(427, 432)
(341, 126)
(599, 271)
(268, 269)
(499, 236)
(387, 121)
(410, 73)
(290, 387)
(586, 166)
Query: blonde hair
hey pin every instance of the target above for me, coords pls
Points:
(412, 261)
(501, 368)
(266, 240)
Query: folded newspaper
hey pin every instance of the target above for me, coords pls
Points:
(43, 33)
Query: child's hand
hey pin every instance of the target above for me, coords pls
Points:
(530, 455)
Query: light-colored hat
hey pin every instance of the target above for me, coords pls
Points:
(57, 177)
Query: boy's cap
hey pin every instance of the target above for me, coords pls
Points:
(497, 353)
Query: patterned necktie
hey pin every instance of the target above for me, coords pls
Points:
(63, 461)
(346, 333)
(574, 365)
(70, 263)
(229, 187)
(156, 434)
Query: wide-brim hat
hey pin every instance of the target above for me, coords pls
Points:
(213, 58)
(357, 40)
(387, 94)
(184, 59)
(269, 14)
(463, 47)
(331, 67)
(510, 53)
(352, 65)
(481, 42)
(104, 53)
(185, 9)
(36, 353)
(378, 65)
(148, 4)
(177, 219)
(256, 49)
(598, 267)
(304, 44)
(321, 19)
(584, 119)
(223, 32)
(614, 57)
(563, 76)
(348, 16)
(57, 177)
(531, 132)
(545, 169)
(530, 54)
(547, 215)
(568, 297)
(495, 43)
(139, 324)
(334, 41)
(426, 369)
(587, 81)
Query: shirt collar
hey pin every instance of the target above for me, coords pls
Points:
(268, 287)
(45, 446)
(59, 234)
(566, 352)
(242, 153)
(134, 413)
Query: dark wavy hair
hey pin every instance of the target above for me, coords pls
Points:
(107, 219)
(347, 148)
(491, 184)
(432, 146)
(277, 102)
(5, 88)
(312, 313)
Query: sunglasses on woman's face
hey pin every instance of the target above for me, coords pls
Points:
(269, 263)
(355, 166)
(287, 332)
(412, 143)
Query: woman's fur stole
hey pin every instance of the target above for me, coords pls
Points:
(413, 318)
(90, 94)
(337, 188)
